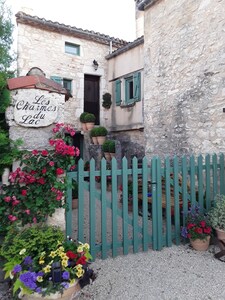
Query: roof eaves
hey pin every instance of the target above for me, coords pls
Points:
(35, 21)
(125, 48)
(143, 4)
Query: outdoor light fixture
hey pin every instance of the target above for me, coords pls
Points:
(56, 272)
(95, 65)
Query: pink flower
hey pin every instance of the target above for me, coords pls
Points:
(15, 202)
(7, 199)
(51, 163)
(27, 211)
(44, 153)
(72, 132)
(35, 220)
(55, 130)
(44, 171)
(35, 152)
(41, 180)
(12, 218)
(24, 192)
(59, 171)
(52, 142)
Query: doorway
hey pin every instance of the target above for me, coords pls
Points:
(91, 96)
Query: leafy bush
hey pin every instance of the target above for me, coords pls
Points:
(101, 131)
(112, 146)
(82, 117)
(93, 132)
(107, 102)
(217, 213)
(89, 118)
(105, 146)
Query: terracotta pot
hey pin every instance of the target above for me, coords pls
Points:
(112, 154)
(220, 234)
(90, 125)
(94, 140)
(74, 203)
(68, 294)
(84, 126)
(107, 155)
(101, 139)
(200, 245)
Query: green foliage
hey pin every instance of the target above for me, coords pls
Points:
(112, 146)
(93, 132)
(101, 131)
(35, 239)
(9, 150)
(82, 117)
(107, 102)
(89, 118)
(74, 190)
(217, 213)
(105, 146)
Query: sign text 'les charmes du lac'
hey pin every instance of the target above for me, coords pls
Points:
(41, 111)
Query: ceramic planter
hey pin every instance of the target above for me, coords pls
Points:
(200, 245)
(101, 139)
(94, 140)
(220, 234)
(90, 125)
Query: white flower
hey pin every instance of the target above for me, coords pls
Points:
(22, 251)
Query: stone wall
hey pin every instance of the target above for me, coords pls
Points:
(184, 77)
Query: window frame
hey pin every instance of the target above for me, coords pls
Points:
(72, 46)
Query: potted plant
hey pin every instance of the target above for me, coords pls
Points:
(112, 148)
(197, 228)
(105, 148)
(93, 135)
(101, 133)
(82, 120)
(89, 119)
(107, 102)
(217, 216)
(43, 265)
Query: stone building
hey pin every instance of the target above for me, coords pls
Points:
(167, 86)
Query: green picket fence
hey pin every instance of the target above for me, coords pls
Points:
(161, 193)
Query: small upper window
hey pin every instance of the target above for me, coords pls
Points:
(72, 48)
(67, 84)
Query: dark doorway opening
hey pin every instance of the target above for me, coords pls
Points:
(91, 95)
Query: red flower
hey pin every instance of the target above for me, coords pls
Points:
(44, 153)
(15, 202)
(41, 180)
(24, 192)
(7, 199)
(51, 163)
(81, 261)
(71, 255)
(207, 230)
(44, 171)
(199, 230)
(12, 218)
(35, 152)
(59, 171)
(27, 211)
(190, 225)
(202, 224)
(188, 236)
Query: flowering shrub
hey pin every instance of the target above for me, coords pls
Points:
(48, 271)
(35, 190)
(197, 225)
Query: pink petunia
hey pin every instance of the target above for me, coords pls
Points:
(51, 163)
(12, 218)
(7, 199)
(44, 153)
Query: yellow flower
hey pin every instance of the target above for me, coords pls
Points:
(63, 255)
(72, 281)
(41, 261)
(79, 267)
(47, 269)
(61, 248)
(39, 278)
(79, 273)
(80, 249)
(86, 246)
(22, 251)
(65, 262)
(52, 254)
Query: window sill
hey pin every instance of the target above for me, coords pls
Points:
(128, 105)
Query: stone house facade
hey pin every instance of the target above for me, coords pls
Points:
(167, 86)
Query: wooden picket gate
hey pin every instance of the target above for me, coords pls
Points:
(162, 192)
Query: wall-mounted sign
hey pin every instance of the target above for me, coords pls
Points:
(35, 108)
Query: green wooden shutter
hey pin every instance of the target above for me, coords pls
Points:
(57, 79)
(137, 86)
(118, 92)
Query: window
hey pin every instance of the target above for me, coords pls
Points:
(72, 48)
(66, 83)
(130, 88)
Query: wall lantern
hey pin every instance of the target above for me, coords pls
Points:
(95, 65)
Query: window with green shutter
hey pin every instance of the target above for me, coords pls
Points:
(133, 88)
(57, 79)
(118, 92)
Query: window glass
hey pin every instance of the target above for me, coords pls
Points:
(72, 48)
(67, 84)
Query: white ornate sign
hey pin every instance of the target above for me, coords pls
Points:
(35, 108)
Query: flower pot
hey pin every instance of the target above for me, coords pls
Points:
(84, 126)
(90, 125)
(112, 154)
(220, 234)
(101, 139)
(94, 140)
(68, 294)
(200, 245)
(107, 155)
(74, 203)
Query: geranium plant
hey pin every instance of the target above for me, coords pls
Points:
(48, 269)
(197, 224)
(35, 189)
